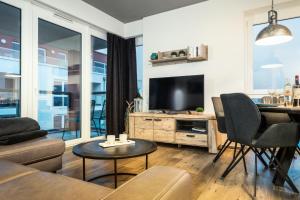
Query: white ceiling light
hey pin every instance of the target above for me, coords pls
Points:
(274, 33)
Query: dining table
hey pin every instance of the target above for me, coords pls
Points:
(284, 155)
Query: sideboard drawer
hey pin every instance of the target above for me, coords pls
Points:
(141, 133)
(164, 124)
(191, 139)
(144, 122)
(164, 136)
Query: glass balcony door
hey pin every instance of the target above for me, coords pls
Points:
(59, 79)
(98, 86)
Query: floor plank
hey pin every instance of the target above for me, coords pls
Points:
(198, 162)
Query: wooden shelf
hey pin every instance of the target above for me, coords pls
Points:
(165, 57)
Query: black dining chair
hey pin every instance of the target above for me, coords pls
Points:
(220, 117)
(243, 124)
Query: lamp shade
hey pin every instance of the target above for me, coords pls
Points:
(274, 34)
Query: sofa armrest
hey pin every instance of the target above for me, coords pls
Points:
(156, 183)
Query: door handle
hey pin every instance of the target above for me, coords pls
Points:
(147, 119)
(157, 120)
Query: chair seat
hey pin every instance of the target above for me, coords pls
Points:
(32, 151)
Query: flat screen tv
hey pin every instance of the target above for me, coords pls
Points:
(182, 93)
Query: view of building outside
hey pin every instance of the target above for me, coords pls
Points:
(59, 80)
(139, 63)
(272, 65)
(98, 104)
(10, 64)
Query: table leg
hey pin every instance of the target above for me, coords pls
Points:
(83, 169)
(285, 157)
(115, 173)
(146, 161)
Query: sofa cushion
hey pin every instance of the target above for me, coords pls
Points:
(9, 171)
(33, 150)
(21, 137)
(46, 186)
(156, 183)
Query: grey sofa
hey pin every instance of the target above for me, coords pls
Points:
(20, 182)
(42, 153)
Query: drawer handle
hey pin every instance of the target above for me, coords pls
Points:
(190, 136)
(157, 120)
(148, 119)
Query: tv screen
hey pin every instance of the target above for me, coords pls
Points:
(176, 93)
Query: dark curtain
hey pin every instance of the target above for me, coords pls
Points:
(121, 81)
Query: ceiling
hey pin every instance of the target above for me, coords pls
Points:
(132, 10)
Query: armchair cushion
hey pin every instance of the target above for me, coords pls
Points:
(278, 135)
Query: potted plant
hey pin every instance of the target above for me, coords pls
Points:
(199, 109)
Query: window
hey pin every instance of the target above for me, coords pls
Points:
(273, 65)
(10, 65)
(59, 80)
(99, 67)
(98, 100)
(139, 65)
(42, 55)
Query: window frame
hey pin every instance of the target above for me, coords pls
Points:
(256, 17)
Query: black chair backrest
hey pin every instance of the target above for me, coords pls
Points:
(217, 103)
(242, 117)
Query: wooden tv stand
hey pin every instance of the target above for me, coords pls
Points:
(182, 129)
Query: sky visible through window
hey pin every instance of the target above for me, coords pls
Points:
(286, 57)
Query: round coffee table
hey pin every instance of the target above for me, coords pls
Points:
(92, 150)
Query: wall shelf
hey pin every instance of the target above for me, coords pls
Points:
(165, 57)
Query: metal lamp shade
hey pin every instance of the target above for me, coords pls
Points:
(274, 34)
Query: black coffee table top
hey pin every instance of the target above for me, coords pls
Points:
(92, 150)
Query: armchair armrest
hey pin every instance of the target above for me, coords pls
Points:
(279, 135)
(156, 183)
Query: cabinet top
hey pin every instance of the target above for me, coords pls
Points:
(176, 116)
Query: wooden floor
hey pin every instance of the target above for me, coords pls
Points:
(205, 175)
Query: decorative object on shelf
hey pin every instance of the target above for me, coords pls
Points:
(182, 53)
(174, 54)
(129, 110)
(154, 56)
(199, 109)
(274, 33)
(138, 103)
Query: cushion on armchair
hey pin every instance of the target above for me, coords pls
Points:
(21, 137)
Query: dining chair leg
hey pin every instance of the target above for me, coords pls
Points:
(224, 147)
(260, 157)
(244, 161)
(255, 175)
(235, 161)
(285, 175)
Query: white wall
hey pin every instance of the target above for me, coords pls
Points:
(220, 24)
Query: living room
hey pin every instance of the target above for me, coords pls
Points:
(161, 99)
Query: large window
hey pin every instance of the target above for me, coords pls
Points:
(59, 80)
(98, 100)
(139, 65)
(273, 65)
(10, 64)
